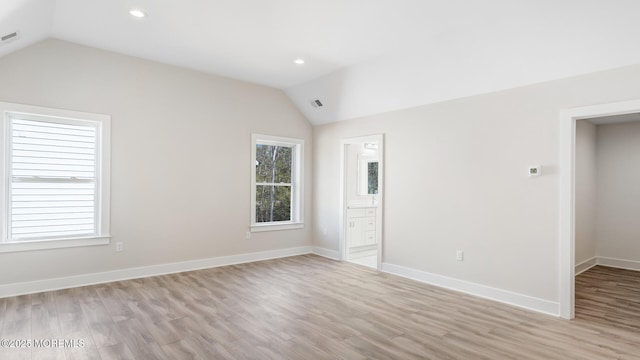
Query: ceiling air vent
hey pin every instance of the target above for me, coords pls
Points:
(7, 38)
(316, 103)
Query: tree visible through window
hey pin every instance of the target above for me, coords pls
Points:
(372, 177)
(276, 183)
(274, 165)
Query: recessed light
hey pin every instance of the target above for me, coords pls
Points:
(298, 61)
(138, 13)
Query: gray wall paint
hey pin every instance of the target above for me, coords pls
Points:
(180, 156)
(618, 164)
(585, 188)
(456, 178)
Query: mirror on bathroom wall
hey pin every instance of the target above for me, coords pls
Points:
(367, 175)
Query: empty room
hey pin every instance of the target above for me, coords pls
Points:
(338, 179)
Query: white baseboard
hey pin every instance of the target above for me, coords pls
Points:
(328, 253)
(606, 261)
(145, 271)
(586, 265)
(618, 263)
(483, 291)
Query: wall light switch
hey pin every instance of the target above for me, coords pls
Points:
(119, 247)
(535, 170)
(247, 235)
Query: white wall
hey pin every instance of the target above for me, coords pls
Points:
(585, 191)
(456, 178)
(180, 156)
(351, 190)
(618, 178)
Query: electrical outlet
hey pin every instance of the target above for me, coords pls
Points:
(119, 247)
(459, 255)
(247, 235)
(535, 170)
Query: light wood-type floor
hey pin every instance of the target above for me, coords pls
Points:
(307, 307)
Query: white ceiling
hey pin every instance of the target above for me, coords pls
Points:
(362, 56)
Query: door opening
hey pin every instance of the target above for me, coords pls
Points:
(607, 201)
(361, 200)
(567, 259)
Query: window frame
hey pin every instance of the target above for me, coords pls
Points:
(102, 124)
(297, 183)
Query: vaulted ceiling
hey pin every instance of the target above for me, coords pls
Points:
(361, 56)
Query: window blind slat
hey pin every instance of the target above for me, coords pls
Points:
(51, 173)
(53, 185)
(84, 226)
(55, 222)
(47, 160)
(59, 143)
(53, 191)
(56, 167)
(50, 204)
(50, 235)
(51, 124)
(54, 197)
(52, 230)
(53, 130)
(53, 155)
(52, 210)
(41, 135)
(62, 166)
(54, 149)
(65, 215)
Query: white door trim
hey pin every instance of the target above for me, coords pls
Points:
(568, 120)
(379, 139)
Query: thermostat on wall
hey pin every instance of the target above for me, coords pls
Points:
(535, 170)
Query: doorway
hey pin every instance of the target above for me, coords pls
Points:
(567, 260)
(361, 200)
(607, 201)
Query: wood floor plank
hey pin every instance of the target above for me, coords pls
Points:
(17, 326)
(87, 352)
(115, 306)
(164, 332)
(182, 350)
(48, 354)
(45, 325)
(201, 340)
(101, 326)
(44, 317)
(3, 307)
(73, 326)
(308, 307)
(17, 320)
(15, 354)
(139, 340)
(70, 315)
(116, 352)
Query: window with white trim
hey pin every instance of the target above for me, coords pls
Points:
(57, 187)
(276, 183)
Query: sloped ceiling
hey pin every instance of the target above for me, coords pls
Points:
(362, 56)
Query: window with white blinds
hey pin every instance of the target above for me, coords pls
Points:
(53, 178)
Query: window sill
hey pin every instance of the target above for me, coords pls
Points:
(53, 244)
(276, 226)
